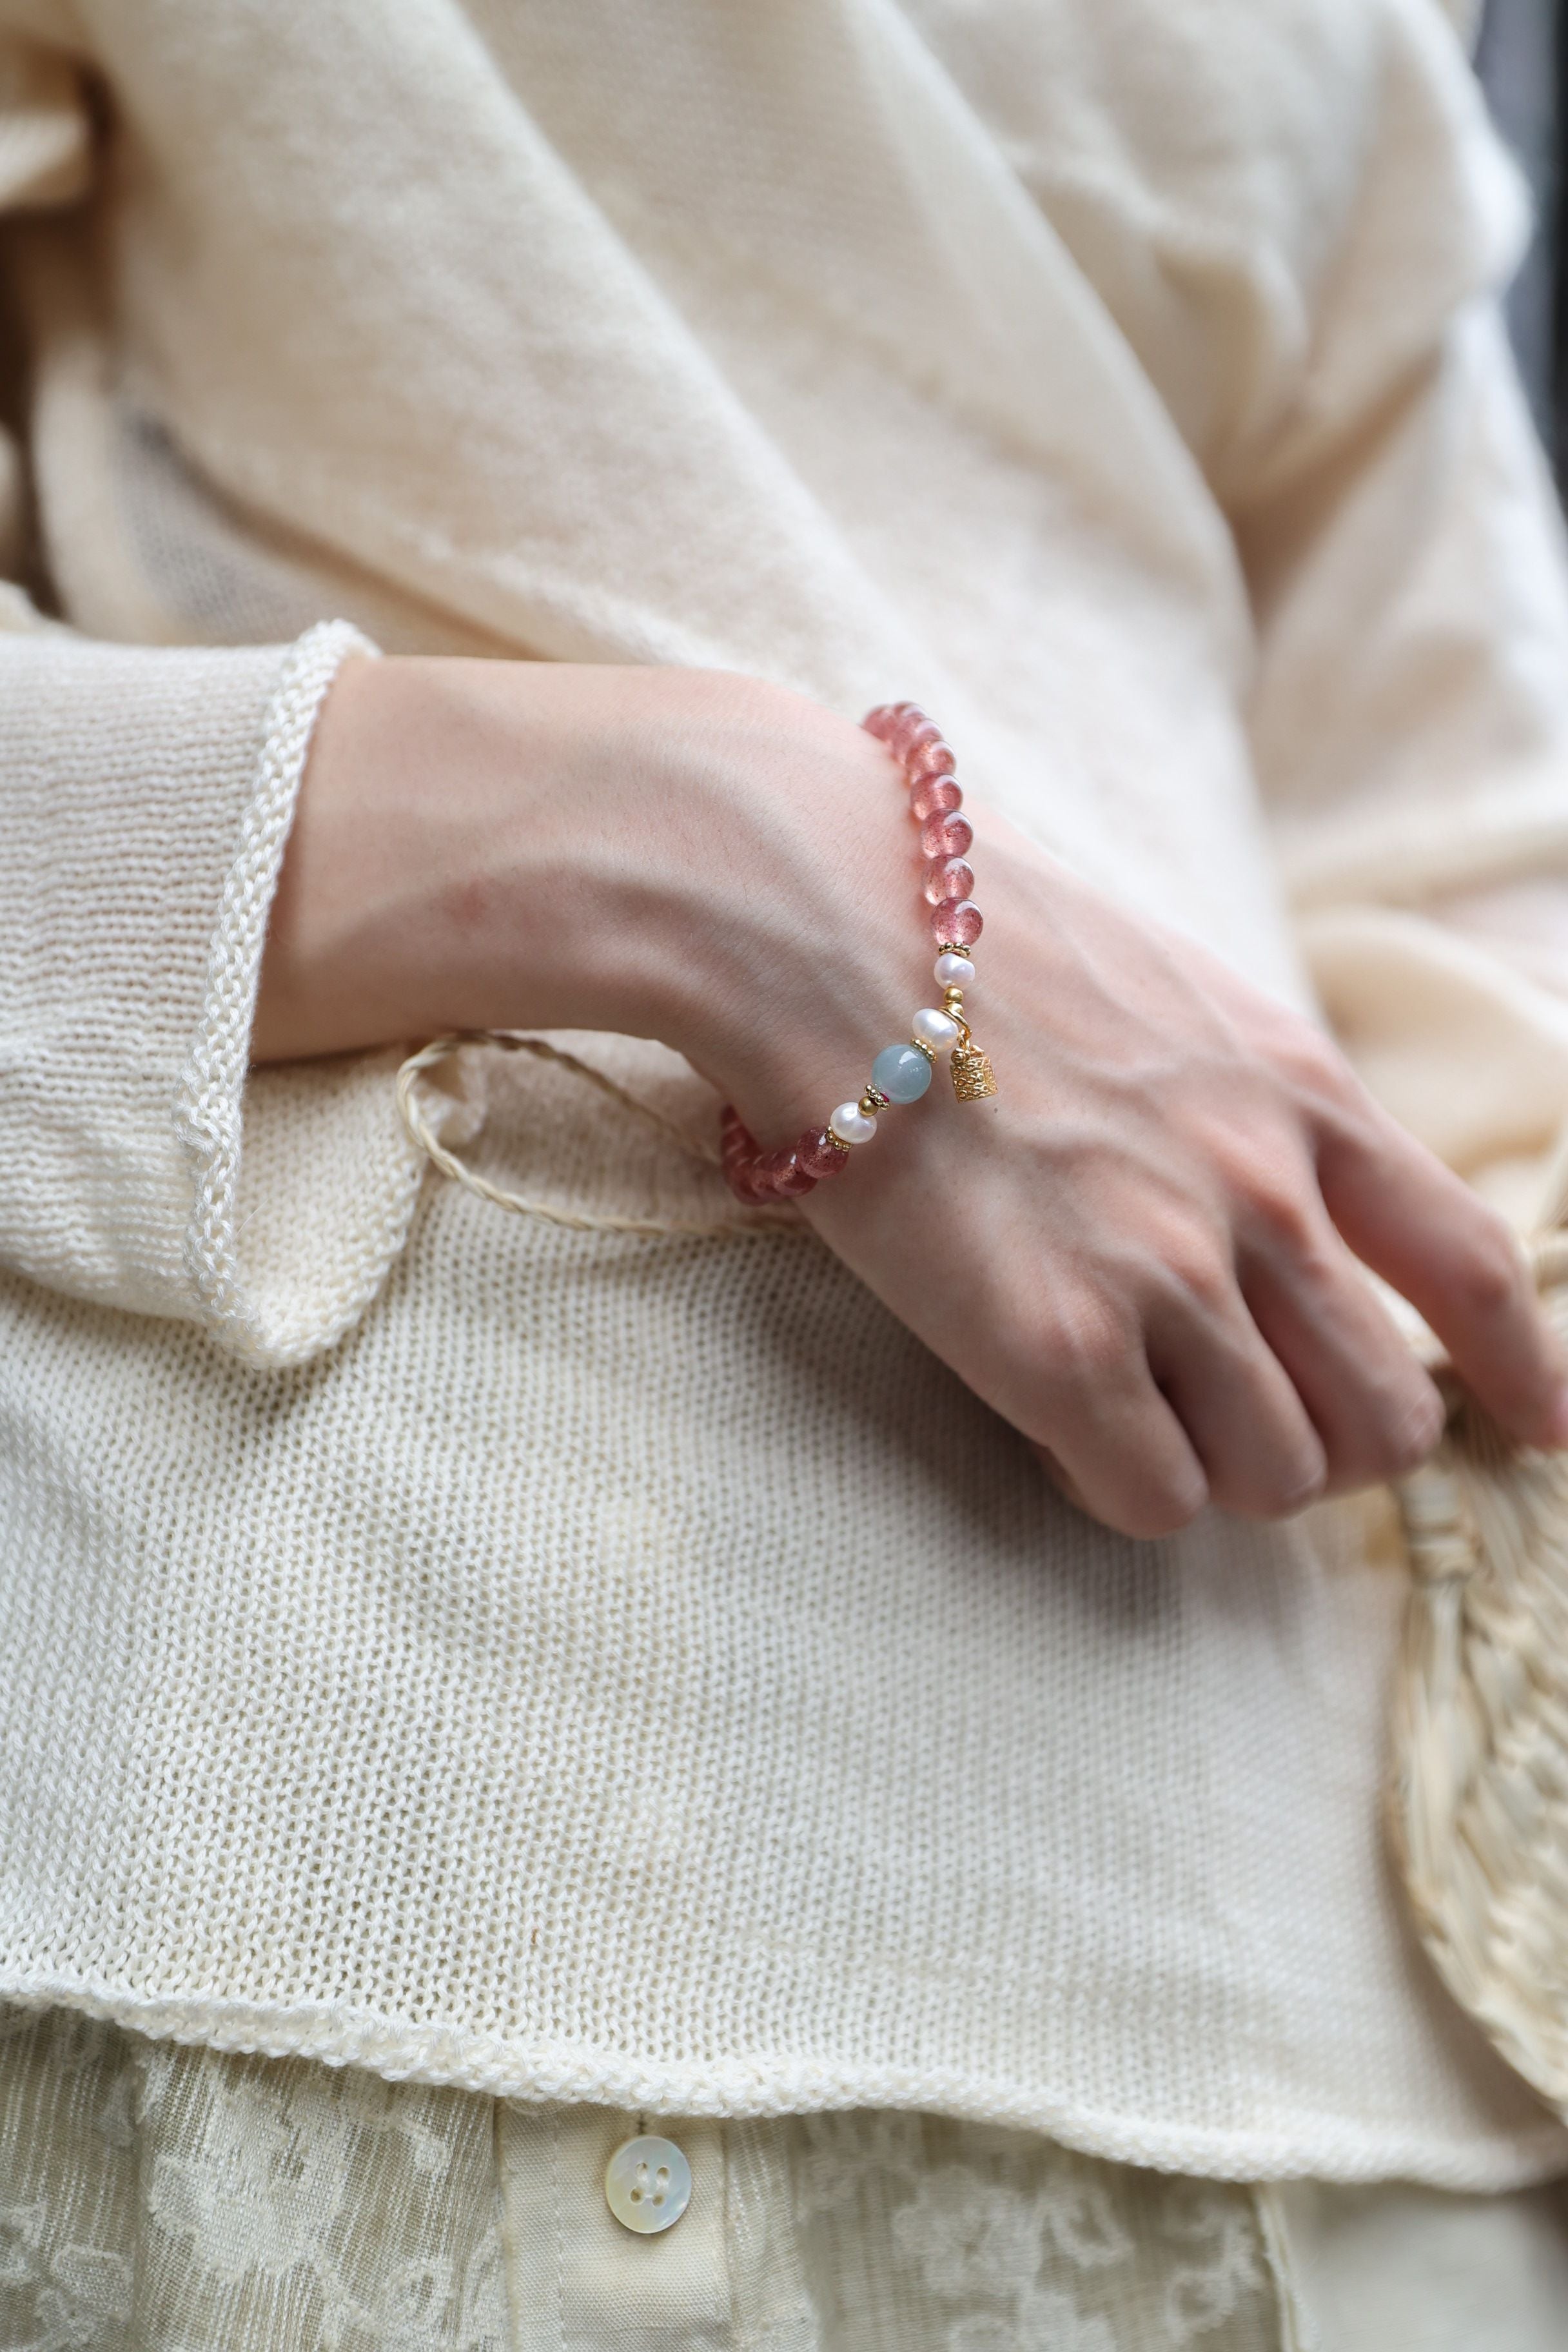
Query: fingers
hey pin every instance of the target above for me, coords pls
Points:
(1258, 1391)
(1374, 1409)
(1244, 1419)
(1109, 1437)
(1414, 1223)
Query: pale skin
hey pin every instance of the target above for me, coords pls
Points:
(1144, 1254)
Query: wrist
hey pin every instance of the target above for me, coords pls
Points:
(690, 855)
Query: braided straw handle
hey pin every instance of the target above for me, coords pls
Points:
(1477, 1798)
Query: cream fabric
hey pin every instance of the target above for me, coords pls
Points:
(154, 2199)
(634, 1674)
(1405, 2269)
(179, 2200)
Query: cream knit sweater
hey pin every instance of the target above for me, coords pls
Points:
(637, 1670)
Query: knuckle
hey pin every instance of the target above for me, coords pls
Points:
(1279, 1491)
(1161, 1507)
(1088, 1341)
(1486, 1273)
(1285, 1221)
(1313, 1064)
(1190, 1262)
(1396, 1438)
(1414, 1435)
(1144, 1509)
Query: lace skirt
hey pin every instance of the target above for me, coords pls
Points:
(161, 2199)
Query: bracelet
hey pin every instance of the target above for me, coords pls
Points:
(901, 1074)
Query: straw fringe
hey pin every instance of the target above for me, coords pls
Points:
(1477, 1800)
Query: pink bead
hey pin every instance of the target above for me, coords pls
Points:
(741, 1158)
(911, 730)
(948, 877)
(819, 1155)
(930, 760)
(933, 796)
(781, 1173)
(948, 836)
(740, 1176)
(882, 722)
(957, 922)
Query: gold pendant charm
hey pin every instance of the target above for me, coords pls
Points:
(973, 1079)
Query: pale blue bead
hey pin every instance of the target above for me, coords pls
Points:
(901, 1073)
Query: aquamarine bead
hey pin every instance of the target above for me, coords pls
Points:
(901, 1073)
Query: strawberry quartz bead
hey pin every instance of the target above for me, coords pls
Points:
(751, 1181)
(957, 922)
(929, 760)
(947, 878)
(947, 835)
(819, 1155)
(934, 796)
(740, 1157)
(913, 739)
(882, 722)
(781, 1173)
(741, 1175)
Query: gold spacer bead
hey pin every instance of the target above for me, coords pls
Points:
(954, 998)
(921, 1047)
(872, 1101)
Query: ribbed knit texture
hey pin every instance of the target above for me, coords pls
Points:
(637, 1672)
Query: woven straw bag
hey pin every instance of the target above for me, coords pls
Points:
(1477, 1800)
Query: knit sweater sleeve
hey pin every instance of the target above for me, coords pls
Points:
(146, 798)
(1410, 710)
(146, 794)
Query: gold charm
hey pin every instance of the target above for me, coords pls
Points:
(973, 1079)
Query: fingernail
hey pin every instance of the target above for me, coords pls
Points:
(1312, 1492)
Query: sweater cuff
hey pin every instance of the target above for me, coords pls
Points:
(146, 795)
(304, 1181)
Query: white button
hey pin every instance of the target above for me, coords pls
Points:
(648, 2184)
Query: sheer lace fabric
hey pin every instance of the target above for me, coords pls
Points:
(161, 2199)
(156, 2197)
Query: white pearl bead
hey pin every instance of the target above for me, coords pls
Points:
(954, 970)
(930, 1027)
(850, 1124)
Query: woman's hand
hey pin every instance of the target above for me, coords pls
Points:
(1142, 1253)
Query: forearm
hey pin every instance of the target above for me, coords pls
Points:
(662, 853)
(1139, 1255)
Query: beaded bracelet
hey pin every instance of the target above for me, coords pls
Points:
(901, 1074)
